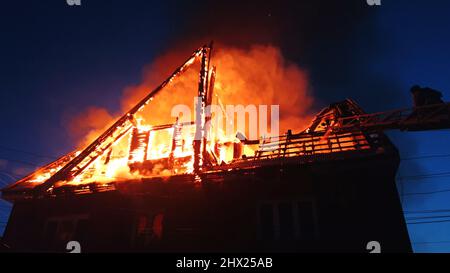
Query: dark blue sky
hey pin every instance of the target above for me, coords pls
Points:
(418, 35)
(56, 60)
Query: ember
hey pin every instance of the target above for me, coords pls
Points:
(136, 146)
(139, 145)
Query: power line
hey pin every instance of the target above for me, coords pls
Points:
(428, 222)
(426, 193)
(27, 152)
(425, 156)
(428, 217)
(424, 243)
(14, 175)
(427, 211)
(424, 176)
(21, 162)
(11, 175)
(1, 200)
(4, 183)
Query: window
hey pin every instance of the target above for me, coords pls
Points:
(60, 230)
(149, 228)
(50, 232)
(81, 230)
(287, 220)
(306, 219)
(267, 223)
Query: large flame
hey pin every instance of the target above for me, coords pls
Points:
(258, 76)
(255, 76)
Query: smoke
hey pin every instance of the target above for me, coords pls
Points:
(22, 171)
(262, 76)
(3, 163)
(338, 42)
(86, 125)
(259, 75)
(263, 51)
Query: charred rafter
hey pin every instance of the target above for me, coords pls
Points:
(113, 133)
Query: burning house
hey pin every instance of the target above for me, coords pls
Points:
(186, 187)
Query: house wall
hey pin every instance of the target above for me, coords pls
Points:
(328, 206)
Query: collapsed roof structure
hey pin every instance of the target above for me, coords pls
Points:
(340, 147)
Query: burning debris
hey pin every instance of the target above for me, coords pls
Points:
(166, 182)
(134, 148)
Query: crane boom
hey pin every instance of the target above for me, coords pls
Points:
(429, 117)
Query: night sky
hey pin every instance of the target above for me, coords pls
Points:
(57, 60)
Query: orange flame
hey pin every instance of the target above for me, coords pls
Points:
(258, 76)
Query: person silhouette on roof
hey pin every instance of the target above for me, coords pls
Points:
(425, 96)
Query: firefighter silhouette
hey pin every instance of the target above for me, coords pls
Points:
(425, 96)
